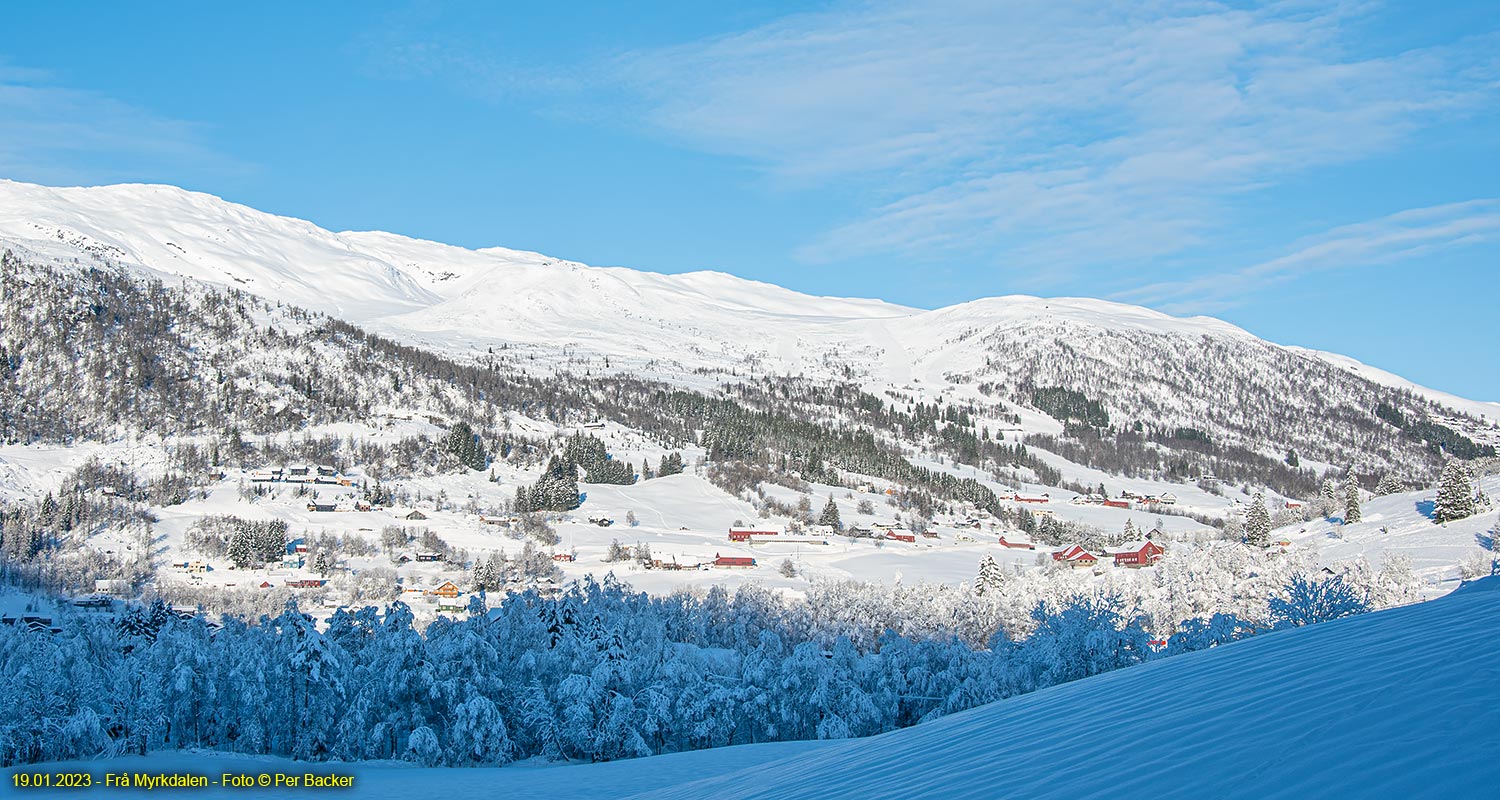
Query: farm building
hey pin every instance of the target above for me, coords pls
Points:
(733, 561)
(1016, 544)
(1138, 554)
(1076, 556)
(746, 534)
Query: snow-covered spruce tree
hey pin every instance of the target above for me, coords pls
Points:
(1351, 501)
(1258, 523)
(1455, 495)
(989, 577)
(464, 445)
(830, 515)
(671, 464)
(1329, 497)
(1389, 485)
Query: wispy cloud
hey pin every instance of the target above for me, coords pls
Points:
(1398, 237)
(1063, 134)
(58, 135)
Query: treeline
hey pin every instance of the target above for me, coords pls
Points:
(600, 673)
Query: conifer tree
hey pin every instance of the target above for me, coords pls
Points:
(1351, 501)
(1455, 495)
(1258, 523)
(1330, 497)
(1389, 485)
(989, 578)
(830, 515)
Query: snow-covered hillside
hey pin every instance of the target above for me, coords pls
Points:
(1145, 367)
(1397, 703)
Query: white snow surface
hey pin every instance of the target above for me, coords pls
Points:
(462, 300)
(1397, 703)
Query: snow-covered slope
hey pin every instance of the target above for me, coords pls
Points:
(1145, 366)
(1477, 408)
(1401, 525)
(1397, 703)
(1391, 704)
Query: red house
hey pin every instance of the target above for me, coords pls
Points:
(563, 557)
(1117, 503)
(1139, 555)
(1016, 545)
(733, 561)
(1076, 556)
(1028, 498)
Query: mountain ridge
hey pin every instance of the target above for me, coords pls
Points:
(1150, 371)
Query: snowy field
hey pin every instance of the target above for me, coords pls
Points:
(1397, 703)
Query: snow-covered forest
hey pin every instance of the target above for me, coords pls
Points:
(603, 672)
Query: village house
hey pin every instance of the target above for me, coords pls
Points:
(565, 557)
(1075, 556)
(1044, 497)
(1015, 543)
(446, 589)
(1138, 554)
(415, 515)
(1121, 503)
(733, 562)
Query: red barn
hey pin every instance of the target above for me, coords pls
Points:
(733, 561)
(1139, 555)
(563, 557)
(745, 534)
(1117, 503)
(1016, 545)
(1029, 498)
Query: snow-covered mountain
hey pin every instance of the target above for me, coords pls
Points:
(1148, 369)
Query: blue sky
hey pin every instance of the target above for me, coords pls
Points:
(1322, 174)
